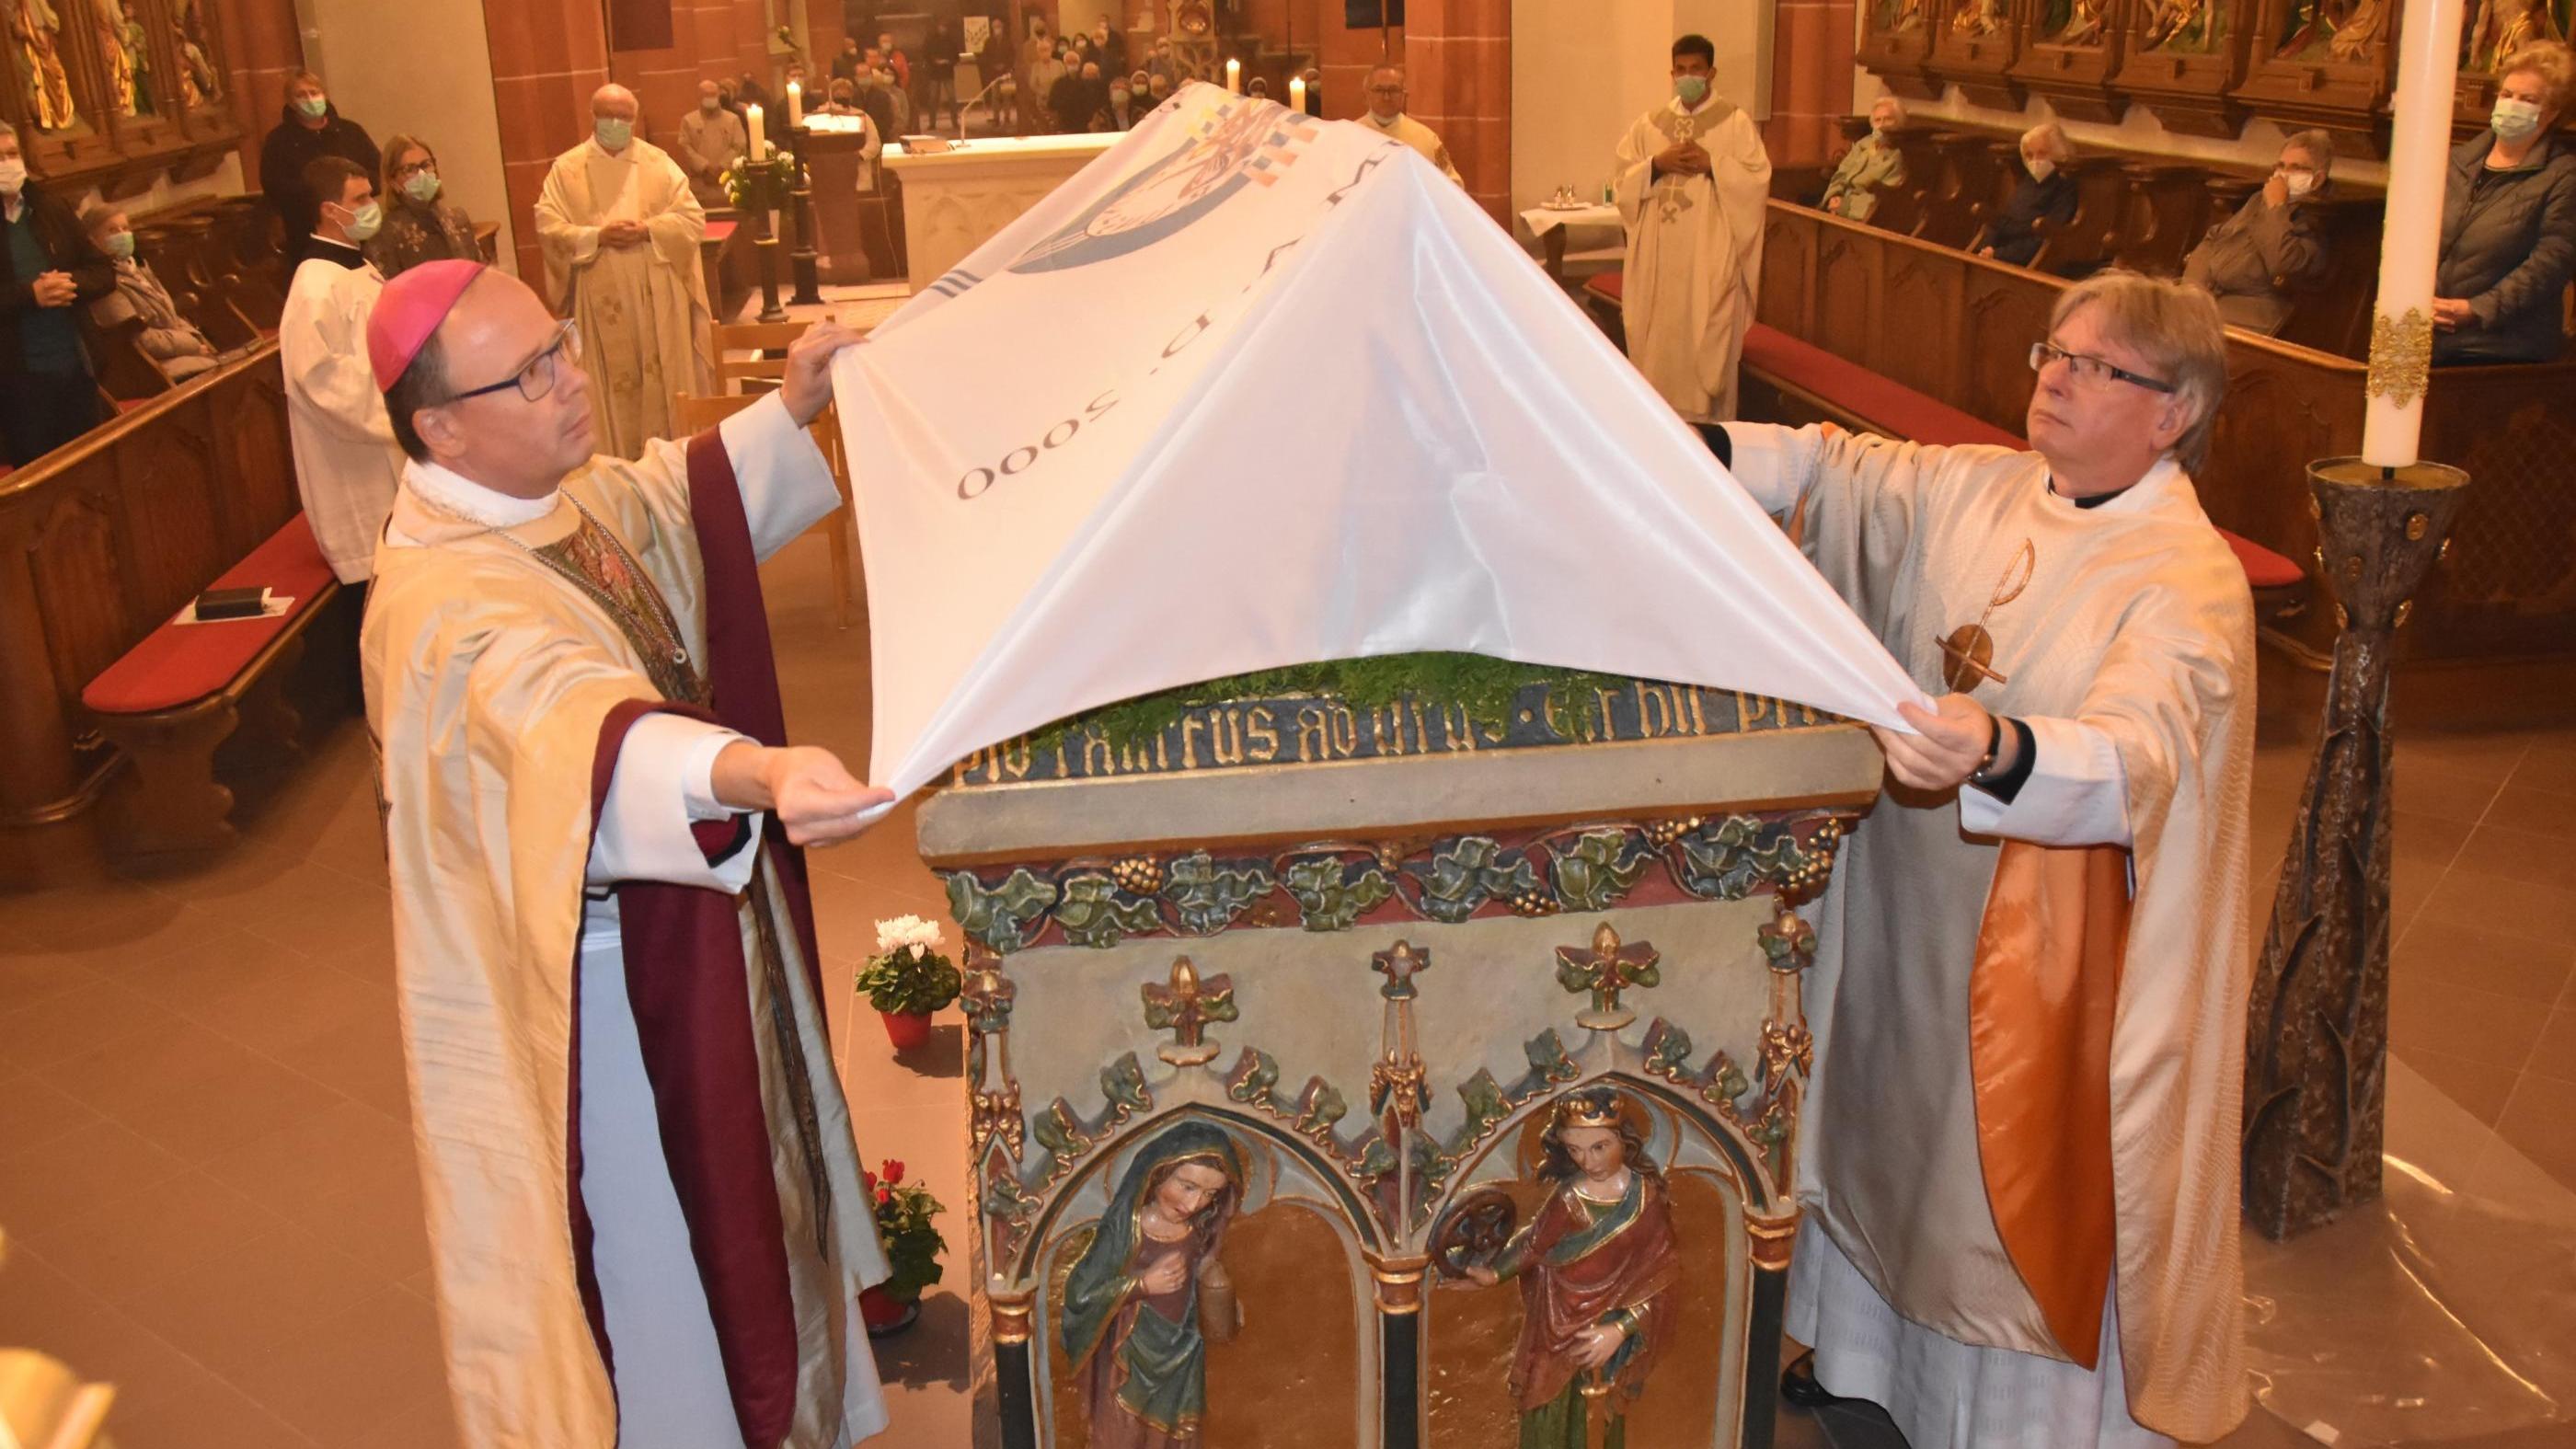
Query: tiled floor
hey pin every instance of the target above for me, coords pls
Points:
(205, 1165)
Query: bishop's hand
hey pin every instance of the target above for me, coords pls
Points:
(808, 384)
(809, 790)
(1948, 746)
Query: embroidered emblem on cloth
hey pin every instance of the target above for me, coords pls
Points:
(1968, 655)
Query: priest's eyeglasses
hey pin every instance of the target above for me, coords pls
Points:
(2088, 368)
(536, 377)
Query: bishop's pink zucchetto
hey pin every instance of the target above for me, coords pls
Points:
(407, 314)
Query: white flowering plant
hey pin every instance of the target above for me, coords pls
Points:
(909, 975)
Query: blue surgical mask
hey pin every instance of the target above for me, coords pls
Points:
(1692, 89)
(314, 106)
(614, 134)
(421, 185)
(120, 245)
(2514, 119)
(363, 222)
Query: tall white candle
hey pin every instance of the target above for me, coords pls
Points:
(759, 138)
(1297, 94)
(2428, 51)
(795, 104)
(1234, 76)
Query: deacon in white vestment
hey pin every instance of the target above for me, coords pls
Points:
(1693, 178)
(346, 464)
(2020, 1180)
(620, 229)
(1385, 115)
(647, 1222)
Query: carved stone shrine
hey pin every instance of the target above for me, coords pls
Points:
(1327, 1063)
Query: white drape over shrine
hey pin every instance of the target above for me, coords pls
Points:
(1253, 390)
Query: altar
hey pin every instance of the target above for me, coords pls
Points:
(956, 198)
(1369, 995)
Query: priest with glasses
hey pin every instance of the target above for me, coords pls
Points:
(646, 1215)
(2019, 1194)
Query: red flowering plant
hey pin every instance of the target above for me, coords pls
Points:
(912, 1245)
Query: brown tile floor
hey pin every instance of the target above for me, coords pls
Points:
(205, 1161)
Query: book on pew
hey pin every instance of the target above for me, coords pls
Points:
(216, 604)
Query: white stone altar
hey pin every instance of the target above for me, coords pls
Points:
(954, 200)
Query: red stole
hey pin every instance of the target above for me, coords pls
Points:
(685, 977)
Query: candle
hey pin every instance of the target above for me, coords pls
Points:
(1297, 94)
(759, 141)
(795, 104)
(1234, 76)
(2419, 163)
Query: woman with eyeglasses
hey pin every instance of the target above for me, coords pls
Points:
(2020, 1184)
(421, 224)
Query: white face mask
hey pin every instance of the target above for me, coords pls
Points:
(2041, 169)
(13, 176)
(2299, 183)
(2514, 119)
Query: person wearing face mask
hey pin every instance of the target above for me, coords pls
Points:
(167, 337)
(1037, 99)
(1692, 183)
(845, 66)
(346, 464)
(1872, 162)
(1385, 115)
(1157, 90)
(310, 128)
(711, 140)
(1122, 112)
(48, 395)
(2253, 261)
(620, 229)
(2509, 221)
(1078, 99)
(2047, 194)
(1109, 47)
(421, 224)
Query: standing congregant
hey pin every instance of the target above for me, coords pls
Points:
(646, 1218)
(2019, 1189)
(309, 128)
(712, 139)
(1693, 178)
(1385, 115)
(48, 395)
(346, 464)
(620, 230)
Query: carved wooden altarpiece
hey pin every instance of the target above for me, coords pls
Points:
(115, 93)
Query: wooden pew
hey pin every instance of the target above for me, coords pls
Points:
(1958, 329)
(100, 544)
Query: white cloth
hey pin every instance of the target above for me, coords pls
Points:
(1420, 137)
(347, 465)
(2128, 647)
(1694, 267)
(1945, 1394)
(1436, 444)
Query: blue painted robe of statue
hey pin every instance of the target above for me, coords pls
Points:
(1142, 1358)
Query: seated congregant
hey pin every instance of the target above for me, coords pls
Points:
(2252, 261)
(2509, 221)
(172, 341)
(421, 224)
(2071, 809)
(1872, 162)
(2046, 193)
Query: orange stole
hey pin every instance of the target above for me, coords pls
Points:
(2040, 1004)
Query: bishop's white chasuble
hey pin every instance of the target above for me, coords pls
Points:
(2029, 1017)
(647, 1224)
(1694, 266)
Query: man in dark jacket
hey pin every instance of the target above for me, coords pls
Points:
(2251, 261)
(2047, 194)
(2509, 222)
(312, 128)
(47, 394)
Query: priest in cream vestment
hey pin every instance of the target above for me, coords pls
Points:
(2019, 1184)
(1692, 181)
(620, 229)
(1385, 115)
(646, 1218)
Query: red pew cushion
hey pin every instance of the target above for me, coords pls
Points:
(1609, 286)
(179, 664)
(721, 232)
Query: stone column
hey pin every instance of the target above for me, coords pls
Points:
(261, 48)
(1811, 78)
(547, 57)
(1458, 63)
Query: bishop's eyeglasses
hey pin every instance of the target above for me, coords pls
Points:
(2088, 368)
(536, 377)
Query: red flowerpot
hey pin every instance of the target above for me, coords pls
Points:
(906, 1029)
(884, 1314)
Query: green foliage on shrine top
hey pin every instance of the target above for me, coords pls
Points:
(1484, 686)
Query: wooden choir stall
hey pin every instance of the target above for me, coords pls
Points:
(1341, 988)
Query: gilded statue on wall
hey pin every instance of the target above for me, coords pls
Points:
(1978, 18)
(2363, 32)
(1598, 1267)
(2072, 22)
(1149, 1294)
(34, 30)
(2184, 27)
(2498, 28)
(124, 51)
(1898, 17)
(199, 82)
